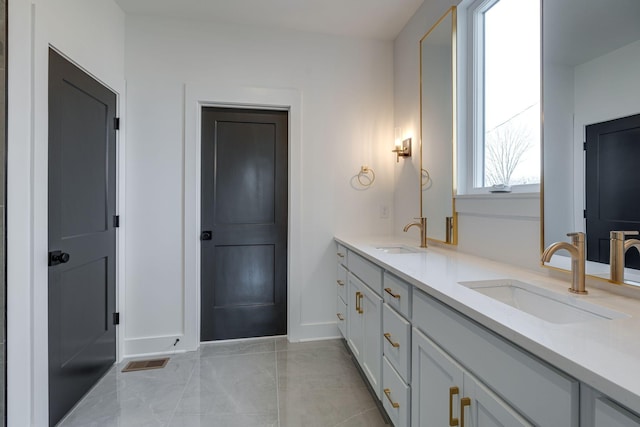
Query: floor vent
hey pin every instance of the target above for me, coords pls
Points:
(143, 365)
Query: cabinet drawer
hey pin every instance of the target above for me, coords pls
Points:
(341, 282)
(341, 313)
(366, 271)
(397, 293)
(541, 393)
(342, 255)
(396, 396)
(396, 343)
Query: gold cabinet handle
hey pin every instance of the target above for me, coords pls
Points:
(340, 282)
(393, 344)
(340, 254)
(361, 310)
(453, 391)
(340, 316)
(387, 393)
(390, 292)
(465, 401)
(358, 302)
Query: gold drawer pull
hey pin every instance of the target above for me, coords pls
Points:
(465, 401)
(340, 316)
(360, 305)
(340, 254)
(358, 302)
(387, 393)
(452, 392)
(390, 292)
(340, 282)
(388, 337)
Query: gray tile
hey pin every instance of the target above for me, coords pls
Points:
(368, 418)
(322, 407)
(237, 347)
(224, 420)
(283, 344)
(232, 385)
(329, 367)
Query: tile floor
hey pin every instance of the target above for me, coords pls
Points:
(267, 382)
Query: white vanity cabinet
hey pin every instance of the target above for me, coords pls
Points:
(445, 394)
(364, 317)
(365, 323)
(431, 365)
(341, 299)
(505, 385)
(396, 350)
(599, 411)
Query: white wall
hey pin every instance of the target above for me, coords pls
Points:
(506, 228)
(346, 90)
(606, 88)
(558, 152)
(91, 33)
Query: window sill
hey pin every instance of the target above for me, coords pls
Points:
(502, 196)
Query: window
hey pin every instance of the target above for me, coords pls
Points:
(504, 60)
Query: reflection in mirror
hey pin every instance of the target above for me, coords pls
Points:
(437, 128)
(591, 64)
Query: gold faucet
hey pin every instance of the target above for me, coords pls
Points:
(576, 250)
(422, 225)
(618, 248)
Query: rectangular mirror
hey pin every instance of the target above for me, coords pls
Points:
(591, 64)
(437, 128)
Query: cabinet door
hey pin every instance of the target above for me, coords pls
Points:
(485, 409)
(597, 410)
(355, 320)
(341, 314)
(608, 414)
(436, 385)
(371, 312)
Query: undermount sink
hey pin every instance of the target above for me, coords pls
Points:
(397, 249)
(542, 303)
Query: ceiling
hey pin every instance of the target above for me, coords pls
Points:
(377, 19)
(577, 31)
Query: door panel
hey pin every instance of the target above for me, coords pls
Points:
(612, 189)
(433, 374)
(244, 205)
(81, 204)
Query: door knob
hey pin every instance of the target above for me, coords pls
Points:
(58, 257)
(206, 235)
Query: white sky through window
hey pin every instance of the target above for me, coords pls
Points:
(512, 82)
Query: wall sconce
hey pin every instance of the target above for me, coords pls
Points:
(402, 147)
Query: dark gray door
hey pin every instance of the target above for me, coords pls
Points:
(612, 185)
(82, 193)
(244, 223)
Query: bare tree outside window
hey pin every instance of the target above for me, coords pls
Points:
(508, 146)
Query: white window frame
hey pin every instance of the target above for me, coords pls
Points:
(471, 98)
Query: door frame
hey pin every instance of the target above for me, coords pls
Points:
(198, 96)
(28, 243)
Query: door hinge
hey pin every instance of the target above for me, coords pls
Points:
(116, 221)
(584, 213)
(116, 123)
(116, 318)
(584, 146)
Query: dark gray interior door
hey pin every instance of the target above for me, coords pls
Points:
(612, 185)
(82, 180)
(244, 223)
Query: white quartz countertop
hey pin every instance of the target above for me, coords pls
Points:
(604, 354)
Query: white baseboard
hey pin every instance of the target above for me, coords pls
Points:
(316, 331)
(151, 346)
(159, 345)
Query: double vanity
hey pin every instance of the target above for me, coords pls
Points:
(446, 338)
